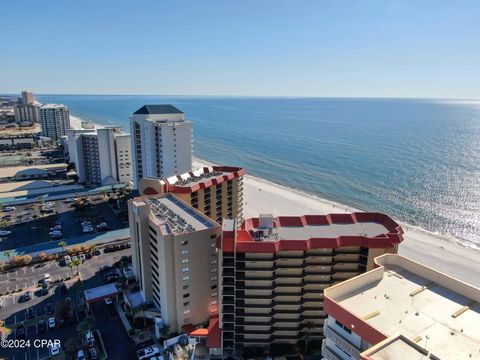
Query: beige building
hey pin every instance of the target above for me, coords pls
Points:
(175, 258)
(275, 270)
(402, 310)
(216, 191)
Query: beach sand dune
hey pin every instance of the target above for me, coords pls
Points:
(436, 251)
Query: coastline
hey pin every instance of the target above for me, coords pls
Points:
(434, 250)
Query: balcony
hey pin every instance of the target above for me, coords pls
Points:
(329, 354)
(343, 343)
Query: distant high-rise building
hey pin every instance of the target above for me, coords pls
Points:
(217, 191)
(27, 98)
(174, 257)
(55, 120)
(102, 156)
(27, 110)
(161, 142)
(401, 310)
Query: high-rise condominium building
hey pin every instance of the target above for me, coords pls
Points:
(101, 156)
(55, 120)
(27, 98)
(274, 272)
(175, 258)
(161, 142)
(217, 191)
(402, 310)
(27, 110)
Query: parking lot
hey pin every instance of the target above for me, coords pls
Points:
(14, 311)
(29, 225)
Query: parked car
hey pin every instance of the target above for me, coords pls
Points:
(56, 227)
(46, 278)
(81, 355)
(51, 323)
(106, 268)
(89, 338)
(8, 208)
(63, 287)
(41, 326)
(70, 200)
(147, 352)
(44, 290)
(31, 313)
(5, 232)
(49, 309)
(82, 258)
(92, 352)
(54, 349)
(28, 295)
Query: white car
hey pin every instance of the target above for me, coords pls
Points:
(56, 227)
(81, 355)
(67, 259)
(147, 352)
(46, 277)
(51, 323)
(9, 208)
(54, 349)
(5, 232)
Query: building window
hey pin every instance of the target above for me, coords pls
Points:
(186, 303)
(214, 261)
(185, 269)
(186, 278)
(185, 252)
(214, 302)
(339, 324)
(184, 242)
(214, 270)
(186, 295)
(214, 294)
(214, 278)
(184, 261)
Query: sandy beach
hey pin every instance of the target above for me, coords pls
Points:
(436, 251)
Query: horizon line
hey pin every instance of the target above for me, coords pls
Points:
(253, 96)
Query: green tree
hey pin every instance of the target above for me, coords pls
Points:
(70, 265)
(77, 263)
(8, 254)
(62, 244)
(93, 248)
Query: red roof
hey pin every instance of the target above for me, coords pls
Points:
(233, 172)
(246, 243)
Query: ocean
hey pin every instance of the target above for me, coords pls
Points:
(416, 160)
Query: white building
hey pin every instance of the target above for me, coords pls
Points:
(102, 156)
(161, 142)
(55, 120)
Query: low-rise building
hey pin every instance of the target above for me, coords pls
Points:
(402, 310)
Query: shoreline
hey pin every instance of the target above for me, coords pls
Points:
(433, 250)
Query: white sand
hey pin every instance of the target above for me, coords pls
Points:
(436, 251)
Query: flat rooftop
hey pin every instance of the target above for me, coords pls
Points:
(207, 176)
(178, 217)
(398, 348)
(367, 229)
(437, 312)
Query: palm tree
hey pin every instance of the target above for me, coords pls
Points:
(7, 253)
(62, 244)
(93, 248)
(104, 194)
(70, 265)
(77, 263)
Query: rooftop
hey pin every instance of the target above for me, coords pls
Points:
(157, 109)
(269, 234)
(53, 106)
(397, 348)
(177, 217)
(438, 313)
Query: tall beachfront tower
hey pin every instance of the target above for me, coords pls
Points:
(175, 259)
(274, 272)
(55, 120)
(402, 310)
(217, 191)
(161, 142)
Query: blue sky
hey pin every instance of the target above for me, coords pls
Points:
(375, 48)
